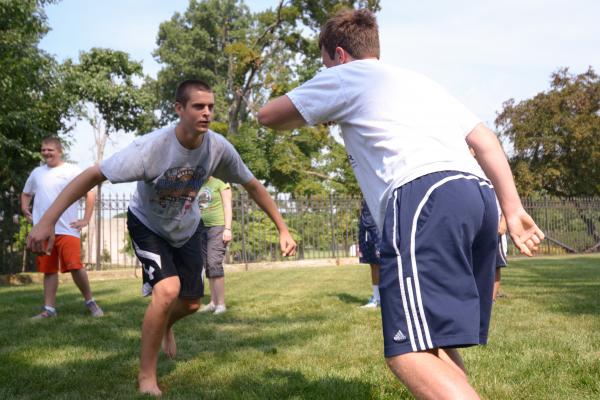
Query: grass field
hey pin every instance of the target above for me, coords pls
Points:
(298, 333)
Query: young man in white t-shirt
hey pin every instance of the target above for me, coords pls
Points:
(43, 186)
(169, 165)
(406, 140)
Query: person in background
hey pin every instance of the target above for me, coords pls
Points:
(216, 213)
(43, 186)
(368, 251)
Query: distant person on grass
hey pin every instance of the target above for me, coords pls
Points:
(406, 139)
(170, 166)
(215, 206)
(368, 251)
(43, 186)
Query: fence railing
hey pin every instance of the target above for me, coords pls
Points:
(323, 228)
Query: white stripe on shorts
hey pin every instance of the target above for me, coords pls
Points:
(411, 335)
(418, 296)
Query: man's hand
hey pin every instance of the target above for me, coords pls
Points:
(28, 216)
(79, 224)
(227, 236)
(287, 244)
(41, 239)
(524, 232)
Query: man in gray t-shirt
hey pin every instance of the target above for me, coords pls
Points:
(170, 165)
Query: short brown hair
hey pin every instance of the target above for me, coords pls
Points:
(356, 31)
(55, 141)
(182, 92)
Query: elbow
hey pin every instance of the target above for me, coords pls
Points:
(264, 118)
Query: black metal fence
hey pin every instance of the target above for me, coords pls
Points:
(323, 228)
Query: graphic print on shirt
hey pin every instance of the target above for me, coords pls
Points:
(177, 188)
(352, 161)
(205, 198)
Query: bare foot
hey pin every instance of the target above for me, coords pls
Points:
(149, 386)
(169, 347)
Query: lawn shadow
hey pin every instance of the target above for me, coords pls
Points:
(573, 285)
(275, 384)
(348, 298)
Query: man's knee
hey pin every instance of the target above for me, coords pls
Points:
(192, 305)
(167, 290)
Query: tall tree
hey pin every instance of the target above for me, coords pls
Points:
(556, 136)
(248, 58)
(32, 100)
(106, 85)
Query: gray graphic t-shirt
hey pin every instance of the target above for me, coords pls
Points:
(170, 176)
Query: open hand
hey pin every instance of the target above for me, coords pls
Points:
(79, 224)
(524, 232)
(287, 244)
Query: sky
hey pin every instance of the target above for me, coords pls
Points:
(483, 52)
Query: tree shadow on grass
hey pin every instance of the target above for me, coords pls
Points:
(570, 286)
(98, 357)
(275, 384)
(349, 298)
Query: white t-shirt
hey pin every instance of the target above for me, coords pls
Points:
(45, 184)
(170, 176)
(397, 125)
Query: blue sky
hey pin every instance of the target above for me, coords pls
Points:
(484, 52)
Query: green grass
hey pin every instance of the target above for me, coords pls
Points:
(299, 334)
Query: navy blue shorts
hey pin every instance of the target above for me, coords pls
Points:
(501, 260)
(160, 260)
(438, 253)
(368, 245)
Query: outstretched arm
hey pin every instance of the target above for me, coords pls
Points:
(43, 231)
(259, 194)
(280, 114)
(522, 228)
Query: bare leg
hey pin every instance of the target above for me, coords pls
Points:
(374, 274)
(213, 293)
(180, 308)
(217, 291)
(427, 376)
(496, 283)
(80, 278)
(164, 295)
(50, 289)
(453, 358)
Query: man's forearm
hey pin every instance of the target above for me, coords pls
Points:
(90, 199)
(493, 161)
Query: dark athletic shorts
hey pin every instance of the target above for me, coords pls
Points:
(438, 253)
(160, 260)
(501, 260)
(368, 245)
(213, 250)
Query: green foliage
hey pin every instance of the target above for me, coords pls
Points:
(556, 137)
(33, 104)
(248, 58)
(20, 237)
(106, 79)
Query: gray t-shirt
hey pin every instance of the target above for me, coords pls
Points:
(170, 176)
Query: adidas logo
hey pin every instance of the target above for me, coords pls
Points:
(399, 337)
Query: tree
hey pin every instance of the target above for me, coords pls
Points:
(33, 104)
(556, 137)
(107, 96)
(248, 58)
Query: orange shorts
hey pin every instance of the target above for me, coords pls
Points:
(66, 253)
